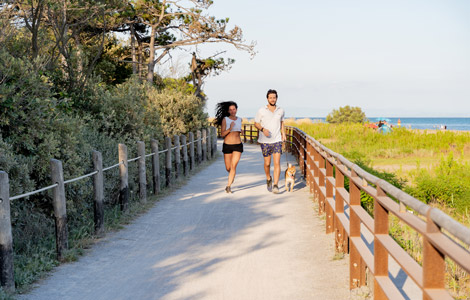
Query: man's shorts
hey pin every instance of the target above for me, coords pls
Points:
(269, 149)
(229, 148)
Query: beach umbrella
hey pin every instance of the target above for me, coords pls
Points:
(383, 119)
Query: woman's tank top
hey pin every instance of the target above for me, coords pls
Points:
(236, 127)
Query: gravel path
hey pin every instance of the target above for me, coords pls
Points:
(201, 243)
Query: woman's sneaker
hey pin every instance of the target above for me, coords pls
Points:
(275, 189)
(269, 183)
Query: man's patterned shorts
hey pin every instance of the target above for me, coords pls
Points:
(269, 149)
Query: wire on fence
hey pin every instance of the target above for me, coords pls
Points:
(113, 166)
(81, 177)
(148, 155)
(133, 159)
(33, 192)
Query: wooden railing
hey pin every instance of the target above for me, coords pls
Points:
(325, 172)
(249, 133)
(178, 164)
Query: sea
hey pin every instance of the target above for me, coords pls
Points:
(420, 123)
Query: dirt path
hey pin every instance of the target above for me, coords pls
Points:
(201, 243)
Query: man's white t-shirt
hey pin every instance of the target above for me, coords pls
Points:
(272, 122)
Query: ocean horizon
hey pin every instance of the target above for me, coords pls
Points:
(462, 124)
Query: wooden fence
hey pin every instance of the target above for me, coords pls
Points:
(249, 134)
(325, 172)
(200, 149)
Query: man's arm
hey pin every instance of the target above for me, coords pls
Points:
(283, 131)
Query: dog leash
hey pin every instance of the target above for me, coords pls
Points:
(285, 146)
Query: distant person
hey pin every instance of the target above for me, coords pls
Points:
(231, 127)
(269, 121)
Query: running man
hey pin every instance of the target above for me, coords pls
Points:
(269, 121)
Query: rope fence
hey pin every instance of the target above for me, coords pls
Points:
(185, 158)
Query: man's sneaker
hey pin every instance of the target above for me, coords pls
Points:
(269, 183)
(275, 189)
(228, 190)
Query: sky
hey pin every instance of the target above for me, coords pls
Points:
(400, 58)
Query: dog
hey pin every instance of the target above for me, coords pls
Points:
(290, 177)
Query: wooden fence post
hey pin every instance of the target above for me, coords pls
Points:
(98, 189)
(155, 167)
(329, 210)
(7, 279)
(60, 211)
(204, 144)
(191, 150)
(199, 146)
(177, 156)
(356, 264)
(244, 133)
(168, 161)
(185, 155)
(434, 264)
(142, 172)
(380, 252)
(341, 241)
(209, 143)
(214, 141)
(124, 178)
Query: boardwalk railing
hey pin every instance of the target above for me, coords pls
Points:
(325, 172)
(205, 144)
(249, 134)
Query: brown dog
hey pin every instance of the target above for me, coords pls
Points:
(290, 177)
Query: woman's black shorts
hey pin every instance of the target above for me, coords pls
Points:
(229, 148)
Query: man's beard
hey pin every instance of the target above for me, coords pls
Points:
(272, 104)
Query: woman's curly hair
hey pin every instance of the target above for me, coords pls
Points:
(221, 111)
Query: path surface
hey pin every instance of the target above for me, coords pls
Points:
(201, 243)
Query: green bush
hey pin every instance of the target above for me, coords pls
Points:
(447, 185)
(346, 114)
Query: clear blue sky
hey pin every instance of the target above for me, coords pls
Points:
(399, 58)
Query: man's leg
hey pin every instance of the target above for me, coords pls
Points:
(277, 167)
(267, 166)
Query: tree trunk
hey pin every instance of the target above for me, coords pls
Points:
(134, 61)
(151, 61)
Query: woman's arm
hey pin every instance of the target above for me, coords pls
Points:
(224, 132)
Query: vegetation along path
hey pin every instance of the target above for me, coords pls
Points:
(201, 243)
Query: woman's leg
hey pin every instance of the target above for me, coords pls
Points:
(228, 161)
(233, 167)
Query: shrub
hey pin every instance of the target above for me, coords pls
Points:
(346, 114)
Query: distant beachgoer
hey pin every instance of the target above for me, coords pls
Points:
(231, 127)
(269, 121)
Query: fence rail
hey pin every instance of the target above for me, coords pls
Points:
(206, 145)
(325, 172)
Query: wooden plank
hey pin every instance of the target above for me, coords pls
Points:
(344, 194)
(364, 252)
(437, 294)
(389, 289)
(344, 221)
(331, 180)
(451, 249)
(406, 262)
(366, 219)
(411, 220)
